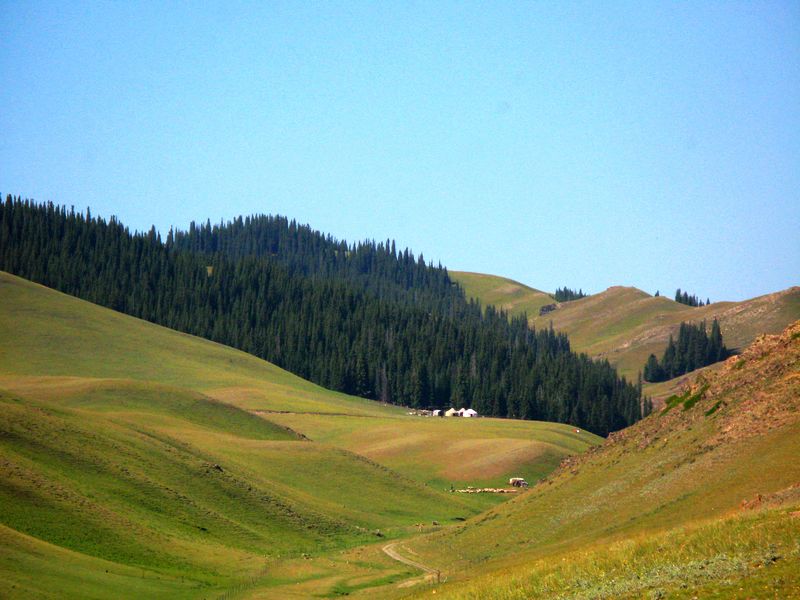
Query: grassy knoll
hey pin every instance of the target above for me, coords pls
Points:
(140, 462)
(704, 496)
(513, 297)
(752, 555)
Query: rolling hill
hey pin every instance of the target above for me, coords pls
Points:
(625, 325)
(136, 461)
(699, 500)
(511, 296)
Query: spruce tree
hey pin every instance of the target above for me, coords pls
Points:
(694, 349)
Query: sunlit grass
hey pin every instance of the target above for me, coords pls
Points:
(139, 462)
(511, 296)
(751, 553)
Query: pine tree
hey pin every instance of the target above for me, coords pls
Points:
(652, 370)
(565, 294)
(693, 350)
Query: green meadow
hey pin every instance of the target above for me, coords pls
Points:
(445, 452)
(140, 462)
(753, 555)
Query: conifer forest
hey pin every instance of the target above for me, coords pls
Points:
(363, 318)
(694, 349)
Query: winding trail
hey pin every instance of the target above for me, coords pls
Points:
(389, 549)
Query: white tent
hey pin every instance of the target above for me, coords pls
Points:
(467, 412)
(452, 412)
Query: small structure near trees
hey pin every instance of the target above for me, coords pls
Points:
(468, 412)
(452, 412)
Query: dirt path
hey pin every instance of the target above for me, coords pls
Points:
(389, 549)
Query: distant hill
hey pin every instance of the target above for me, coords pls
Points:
(136, 461)
(506, 294)
(625, 325)
(701, 499)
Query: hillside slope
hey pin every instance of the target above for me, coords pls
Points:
(511, 296)
(145, 461)
(361, 319)
(625, 325)
(46, 333)
(703, 495)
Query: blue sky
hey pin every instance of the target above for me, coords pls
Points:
(653, 144)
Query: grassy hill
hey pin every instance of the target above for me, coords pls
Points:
(625, 325)
(512, 296)
(140, 462)
(700, 499)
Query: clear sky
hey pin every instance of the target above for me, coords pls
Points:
(653, 144)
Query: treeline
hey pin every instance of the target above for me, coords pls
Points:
(565, 294)
(694, 349)
(379, 268)
(685, 298)
(364, 319)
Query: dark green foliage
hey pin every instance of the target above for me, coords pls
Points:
(652, 370)
(363, 319)
(714, 408)
(693, 399)
(673, 401)
(565, 294)
(379, 268)
(694, 349)
(687, 399)
(685, 298)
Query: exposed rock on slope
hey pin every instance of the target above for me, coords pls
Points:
(750, 394)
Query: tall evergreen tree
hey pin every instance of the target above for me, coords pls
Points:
(694, 349)
(565, 294)
(685, 298)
